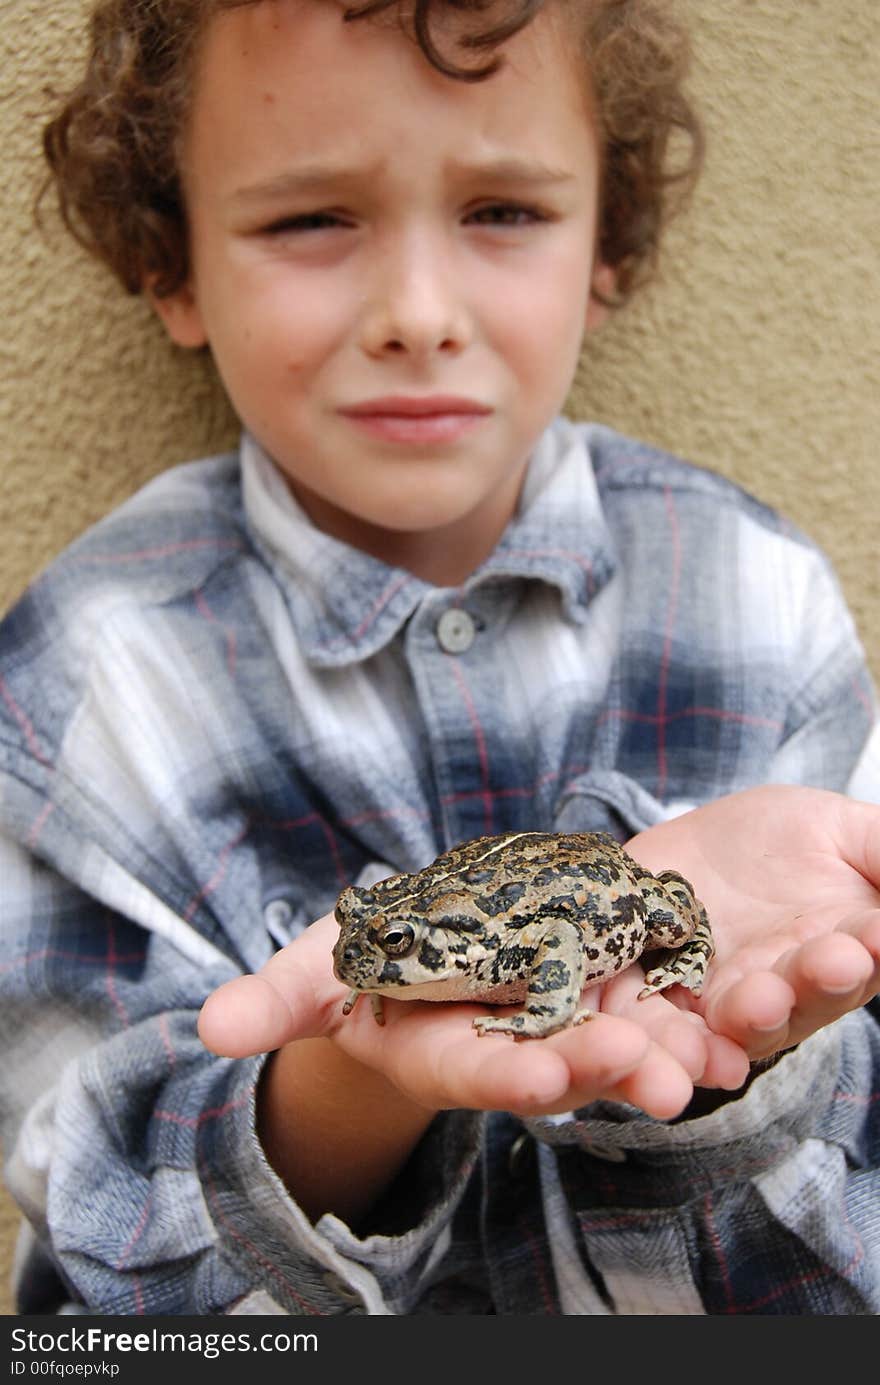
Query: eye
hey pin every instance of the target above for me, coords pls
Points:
(397, 939)
(506, 214)
(305, 222)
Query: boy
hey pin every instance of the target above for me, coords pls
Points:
(417, 608)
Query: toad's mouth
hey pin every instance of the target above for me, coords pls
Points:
(452, 987)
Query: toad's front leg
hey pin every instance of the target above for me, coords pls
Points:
(554, 971)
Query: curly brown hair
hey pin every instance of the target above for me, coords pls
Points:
(113, 144)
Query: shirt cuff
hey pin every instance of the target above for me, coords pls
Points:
(327, 1268)
(423, 1199)
(782, 1104)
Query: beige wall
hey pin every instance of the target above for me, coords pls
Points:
(757, 355)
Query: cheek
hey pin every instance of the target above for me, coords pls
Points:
(566, 291)
(281, 326)
(539, 314)
(541, 337)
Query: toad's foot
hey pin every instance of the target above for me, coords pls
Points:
(686, 967)
(529, 1024)
(376, 1005)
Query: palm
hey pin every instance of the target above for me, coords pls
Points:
(791, 880)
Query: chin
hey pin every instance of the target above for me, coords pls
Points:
(421, 519)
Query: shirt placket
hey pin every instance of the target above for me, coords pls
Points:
(457, 669)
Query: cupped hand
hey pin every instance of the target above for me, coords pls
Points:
(432, 1053)
(791, 880)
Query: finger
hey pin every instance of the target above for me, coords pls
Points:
(659, 1085)
(727, 1063)
(865, 928)
(710, 1060)
(682, 1033)
(754, 1011)
(833, 965)
(259, 1013)
(829, 976)
(246, 1016)
(858, 837)
(656, 1082)
(530, 1077)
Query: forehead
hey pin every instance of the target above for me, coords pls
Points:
(290, 77)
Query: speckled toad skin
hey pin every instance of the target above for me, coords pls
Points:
(526, 916)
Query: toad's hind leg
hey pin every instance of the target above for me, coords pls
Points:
(685, 931)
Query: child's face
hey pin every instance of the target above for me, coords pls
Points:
(392, 268)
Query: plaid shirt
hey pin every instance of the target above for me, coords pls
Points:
(213, 716)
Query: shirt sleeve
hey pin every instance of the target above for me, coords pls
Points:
(765, 1206)
(132, 1150)
(829, 733)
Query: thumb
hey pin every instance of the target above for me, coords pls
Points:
(858, 837)
(293, 996)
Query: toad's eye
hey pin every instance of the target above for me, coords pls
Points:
(397, 939)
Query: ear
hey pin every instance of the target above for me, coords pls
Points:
(180, 314)
(603, 283)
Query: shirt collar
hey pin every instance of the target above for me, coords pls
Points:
(346, 605)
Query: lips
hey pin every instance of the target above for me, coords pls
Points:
(413, 406)
(417, 419)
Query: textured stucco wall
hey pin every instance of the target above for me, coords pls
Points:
(757, 353)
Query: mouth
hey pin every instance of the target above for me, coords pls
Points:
(417, 419)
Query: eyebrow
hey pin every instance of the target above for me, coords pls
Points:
(313, 178)
(516, 170)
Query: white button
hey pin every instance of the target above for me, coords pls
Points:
(455, 631)
(610, 1153)
(278, 916)
(519, 1154)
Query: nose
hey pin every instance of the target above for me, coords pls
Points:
(415, 307)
